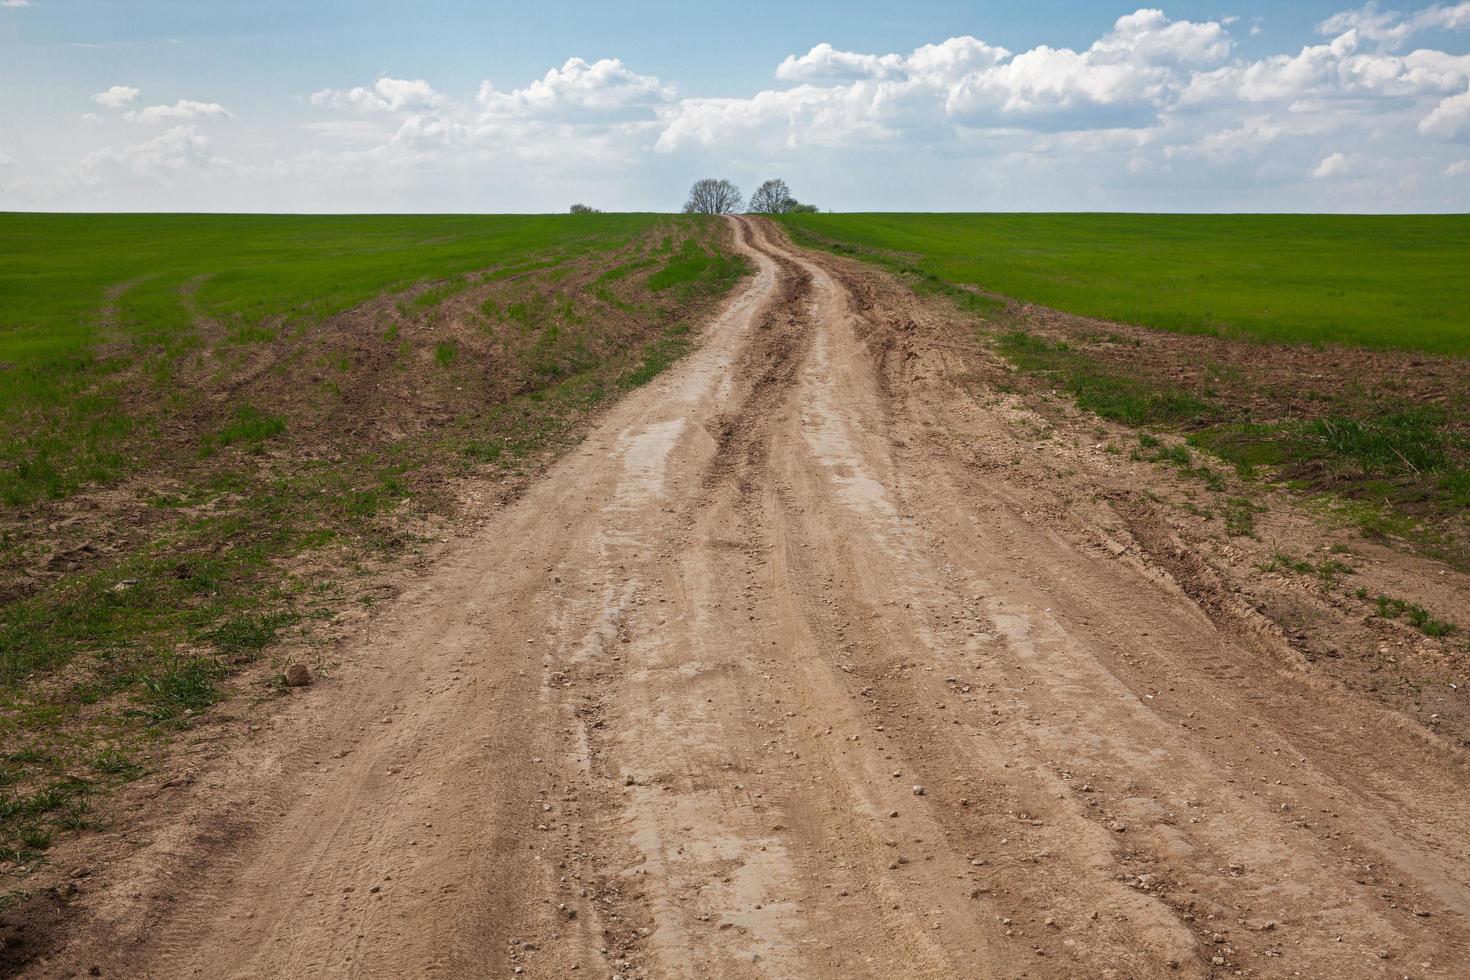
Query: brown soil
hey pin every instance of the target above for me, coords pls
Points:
(823, 657)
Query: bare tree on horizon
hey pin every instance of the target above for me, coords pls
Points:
(713, 196)
(772, 197)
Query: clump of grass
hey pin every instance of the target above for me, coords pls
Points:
(1328, 569)
(619, 272)
(111, 762)
(434, 295)
(1412, 440)
(445, 352)
(1418, 617)
(483, 450)
(1285, 562)
(250, 428)
(183, 689)
(248, 634)
(526, 313)
(1410, 459)
(1177, 454)
(33, 838)
(365, 502)
(1240, 517)
(28, 821)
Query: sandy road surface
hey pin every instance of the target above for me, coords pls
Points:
(778, 675)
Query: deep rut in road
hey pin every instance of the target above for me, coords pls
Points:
(800, 667)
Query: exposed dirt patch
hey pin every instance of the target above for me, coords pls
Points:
(32, 927)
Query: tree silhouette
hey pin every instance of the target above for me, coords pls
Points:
(713, 196)
(772, 197)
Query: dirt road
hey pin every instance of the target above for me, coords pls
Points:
(798, 667)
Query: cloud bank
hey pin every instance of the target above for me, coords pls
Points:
(1157, 112)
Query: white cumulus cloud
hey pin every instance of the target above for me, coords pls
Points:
(934, 63)
(182, 109)
(1335, 165)
(1223, 145)
(1147, 36)
(116, 97)
(1450, 119)
(1460, 168)
(581, 90)
(1336, 71)
(1130, 74)
(825, 63)
(1392, 28)
(177, 149)
(383, 95)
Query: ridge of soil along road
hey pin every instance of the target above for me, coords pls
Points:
(804, 663)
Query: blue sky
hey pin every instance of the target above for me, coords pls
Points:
(398, 106)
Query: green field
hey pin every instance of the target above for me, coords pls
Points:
(69, 281)
(1395, 282)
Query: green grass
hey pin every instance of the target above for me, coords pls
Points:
(695, 266)
(1111, 395)
(1391, 608)
(1374, 281)
(657, 356)
(249, 428)
(1328, 569)
(1407, 458)
(85, 297)
(180, 690)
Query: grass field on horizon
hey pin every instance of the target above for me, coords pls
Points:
(1379, 281)
(83, 295)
